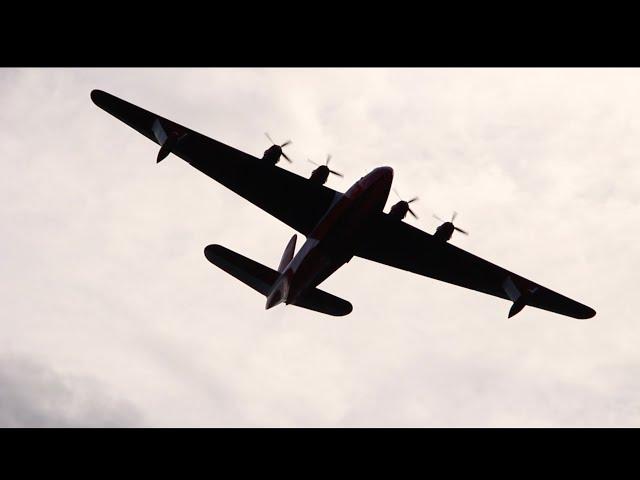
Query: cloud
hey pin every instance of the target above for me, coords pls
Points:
(33, 395)
(452, 394)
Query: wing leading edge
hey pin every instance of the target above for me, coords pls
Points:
(403, 246)
(287, 196)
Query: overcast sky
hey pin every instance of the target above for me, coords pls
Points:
(112, 316)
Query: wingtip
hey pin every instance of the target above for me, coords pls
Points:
(210, 251)
(348, 308)
(99, 97)
(589, 313)
(95, 95)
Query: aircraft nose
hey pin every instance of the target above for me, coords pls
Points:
(385, 173)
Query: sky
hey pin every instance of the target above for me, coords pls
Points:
(112, 316)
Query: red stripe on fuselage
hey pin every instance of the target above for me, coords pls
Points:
(368, 195)
(330, 244)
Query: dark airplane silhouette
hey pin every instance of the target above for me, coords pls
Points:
(337, 226)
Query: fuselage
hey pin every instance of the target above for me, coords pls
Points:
(331, 243)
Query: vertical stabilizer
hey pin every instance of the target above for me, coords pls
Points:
(288, 254)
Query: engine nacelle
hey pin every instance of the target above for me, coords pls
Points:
(320, 175)
(399, 210)
(444, 232)
(272, 154)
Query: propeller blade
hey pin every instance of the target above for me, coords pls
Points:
(270, 139)
(336, 173)
(461, 230)
(400, 198)
(288, 159)
(437, 218)
(288, 142)
(328, 159)
(414, 215)
(311, 161)
(453, 217)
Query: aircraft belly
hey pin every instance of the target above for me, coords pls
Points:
(333, 241)
(316, 266)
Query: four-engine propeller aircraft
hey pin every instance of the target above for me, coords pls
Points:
(337, 225)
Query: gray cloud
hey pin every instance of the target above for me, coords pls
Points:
(32, 395)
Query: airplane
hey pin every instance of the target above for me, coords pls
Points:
(337, 226)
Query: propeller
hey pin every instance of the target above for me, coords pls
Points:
(407, 202)
(288, 142)
(453, 217)
(326, 165)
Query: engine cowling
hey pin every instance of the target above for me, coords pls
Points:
(272, 154)
(444, 232)
(320, 175)
(399, 210)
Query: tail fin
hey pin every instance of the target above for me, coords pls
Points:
(262, 279)
(288, 254)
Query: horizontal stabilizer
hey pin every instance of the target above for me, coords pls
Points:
(324, 302)
(261, 278)
(249, 272)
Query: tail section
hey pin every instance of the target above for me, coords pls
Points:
(263, 279)
(288, 254)
(251, 273)
(321, 301)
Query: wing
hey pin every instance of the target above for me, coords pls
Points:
(290, 198)
(400, 245)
